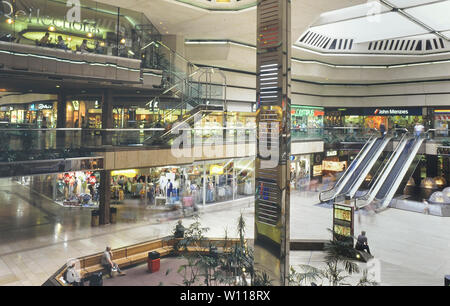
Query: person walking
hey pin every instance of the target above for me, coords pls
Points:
(418, 129)
(108, 264)
(382, 129)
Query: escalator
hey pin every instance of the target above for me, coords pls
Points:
(360, 173)
(394, 174)
(359, 164)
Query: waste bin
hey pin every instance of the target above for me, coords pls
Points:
(95, 218)
(153, 261)
(112, 215)
(447, 280)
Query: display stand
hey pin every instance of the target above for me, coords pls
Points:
(343, 222)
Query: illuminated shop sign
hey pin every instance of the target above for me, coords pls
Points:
(442, 111)
(391, 112)
(332, 153)
(307, 111)
(379, 111)
(41, 106)
(71, 20)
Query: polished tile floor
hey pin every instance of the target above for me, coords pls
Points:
(37, 236)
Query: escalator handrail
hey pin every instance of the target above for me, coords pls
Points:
(345, 173)
(365, 196)
(388, 138)
(421, 139)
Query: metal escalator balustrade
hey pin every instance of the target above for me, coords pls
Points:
(366, 165)
(331, 193)
(367, 198)
(391, 185)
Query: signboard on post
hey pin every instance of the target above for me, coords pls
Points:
(343, 222)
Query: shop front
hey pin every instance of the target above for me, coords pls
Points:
(77, 189)
(372, 118)
(307, 121)
(301, 168)
(441, 119)
(37, 114)
(199, 183)
(69, 189)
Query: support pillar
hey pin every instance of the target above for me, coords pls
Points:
(273, 119)
(432, 165)
(107, 116)
(105, 196)
(61, 120)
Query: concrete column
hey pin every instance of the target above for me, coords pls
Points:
(105, 196)
(61, 110)
(432, 165)
(61, 120)
(107, 116)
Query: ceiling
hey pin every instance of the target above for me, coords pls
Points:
(172, 17)
(386, 19)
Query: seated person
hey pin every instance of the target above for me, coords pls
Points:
(45, 40)
(72, 276)
(60, 43)
(361, 243)
(84, 47)
(108, 264)
(179, 230)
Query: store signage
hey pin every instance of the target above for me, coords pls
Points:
(442, 111)
(332, 153)
(307, 112)
(391, 112)
(334, 166)
(40, 106)
(216, 169)
(71, 20)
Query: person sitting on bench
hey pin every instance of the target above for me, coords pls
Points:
(361, 243)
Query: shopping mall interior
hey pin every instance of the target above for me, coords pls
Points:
(94, 96)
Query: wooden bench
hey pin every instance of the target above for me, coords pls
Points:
(138, 253)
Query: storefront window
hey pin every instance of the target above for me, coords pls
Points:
(200, 183)
(307, 121)
(442, 122)
(300, 171)
(77, 189)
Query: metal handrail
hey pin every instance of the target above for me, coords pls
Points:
(364, 196)
(345, 173)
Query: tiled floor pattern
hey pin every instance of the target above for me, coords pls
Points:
(37, 237)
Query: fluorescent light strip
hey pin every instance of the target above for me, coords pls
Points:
(67, 61)
(268, 65)
(272, 69)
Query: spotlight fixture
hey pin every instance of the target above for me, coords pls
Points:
(51, 28)
(90, 35)
(122, 41)
(9, 21)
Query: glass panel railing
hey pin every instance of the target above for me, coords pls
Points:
(47, 144)
(80, 26)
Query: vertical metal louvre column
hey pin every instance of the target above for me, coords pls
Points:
(273, 135)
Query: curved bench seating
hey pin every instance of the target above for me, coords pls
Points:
(138, 254)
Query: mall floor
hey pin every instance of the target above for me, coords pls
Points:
(37, 236)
